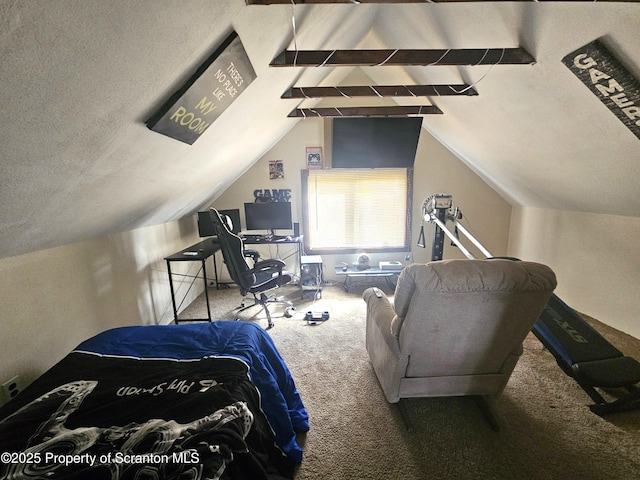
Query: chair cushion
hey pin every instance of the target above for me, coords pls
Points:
(486, 275)
(267, 280)
(459, 276)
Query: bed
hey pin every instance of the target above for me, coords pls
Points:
(193, 401)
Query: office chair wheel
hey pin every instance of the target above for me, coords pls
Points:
(290, 312)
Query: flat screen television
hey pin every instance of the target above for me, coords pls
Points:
(375, 142)
(268, 216)
(205, 226)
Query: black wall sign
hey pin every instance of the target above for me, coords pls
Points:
(605, 76)
(208, 93)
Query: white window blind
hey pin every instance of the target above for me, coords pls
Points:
(357, 209)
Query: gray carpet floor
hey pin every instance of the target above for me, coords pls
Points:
(547, 430)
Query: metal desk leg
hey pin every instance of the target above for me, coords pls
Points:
(206, 288)
(173, 295)
(215, 270)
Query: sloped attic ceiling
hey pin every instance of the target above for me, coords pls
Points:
(80, 78)
(537, 134)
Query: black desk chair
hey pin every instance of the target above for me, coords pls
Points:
(256, 280)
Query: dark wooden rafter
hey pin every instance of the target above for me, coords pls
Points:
(309, 2)
(397, 110)
(370, 58)
(304, 2)
(380, 91)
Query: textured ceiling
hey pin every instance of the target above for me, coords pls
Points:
(80, 78)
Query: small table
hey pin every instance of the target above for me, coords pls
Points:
(352, 272)
(195, 253)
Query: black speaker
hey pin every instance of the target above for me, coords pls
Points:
(296, 229)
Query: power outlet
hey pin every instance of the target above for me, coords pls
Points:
(11, 389)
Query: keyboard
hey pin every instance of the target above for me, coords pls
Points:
(266, 238)
(254, 238)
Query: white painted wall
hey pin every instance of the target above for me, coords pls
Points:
(54, 299)
(486, 214)
(596, 259)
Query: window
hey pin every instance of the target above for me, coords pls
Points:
(346, 210)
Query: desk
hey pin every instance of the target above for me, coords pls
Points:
(352, 272)
(207, 248)
(195, 253)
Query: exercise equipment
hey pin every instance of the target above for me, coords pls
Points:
(580, 351)
(588, 357)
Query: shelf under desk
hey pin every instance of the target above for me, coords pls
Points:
(351, 272)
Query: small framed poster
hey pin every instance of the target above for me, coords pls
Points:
(276, 169)
(314, 158)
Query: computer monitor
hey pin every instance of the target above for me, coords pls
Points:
(205, 225)
(268, 216)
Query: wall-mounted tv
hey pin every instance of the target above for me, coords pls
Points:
(375, 142)
(268, 216)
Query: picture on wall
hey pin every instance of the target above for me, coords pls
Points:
(314, 158)
(276, 169)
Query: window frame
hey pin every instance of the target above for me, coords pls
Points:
(305, 175)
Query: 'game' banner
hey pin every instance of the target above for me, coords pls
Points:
(605, 76)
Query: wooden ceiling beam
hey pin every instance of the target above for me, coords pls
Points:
(380, 91)
(391, 111)
(303, 2)
(309, 2)
(369, 58)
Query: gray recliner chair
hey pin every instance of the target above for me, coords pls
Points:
(455, 328)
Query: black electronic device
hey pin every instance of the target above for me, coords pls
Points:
(312, 317)
(311, 276)
(205, 225)
(374, 142)
(268, 216)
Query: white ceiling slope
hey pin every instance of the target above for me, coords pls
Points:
(79, 79)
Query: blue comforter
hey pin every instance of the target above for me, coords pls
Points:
(248, 342)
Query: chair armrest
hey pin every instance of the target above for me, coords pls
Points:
(379, 310)
(253, 254)
(380, 314)
(382, 346)
(269, 264)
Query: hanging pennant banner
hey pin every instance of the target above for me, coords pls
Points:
(208, 93)
(607, 78)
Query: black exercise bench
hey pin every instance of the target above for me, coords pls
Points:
(588, 357)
